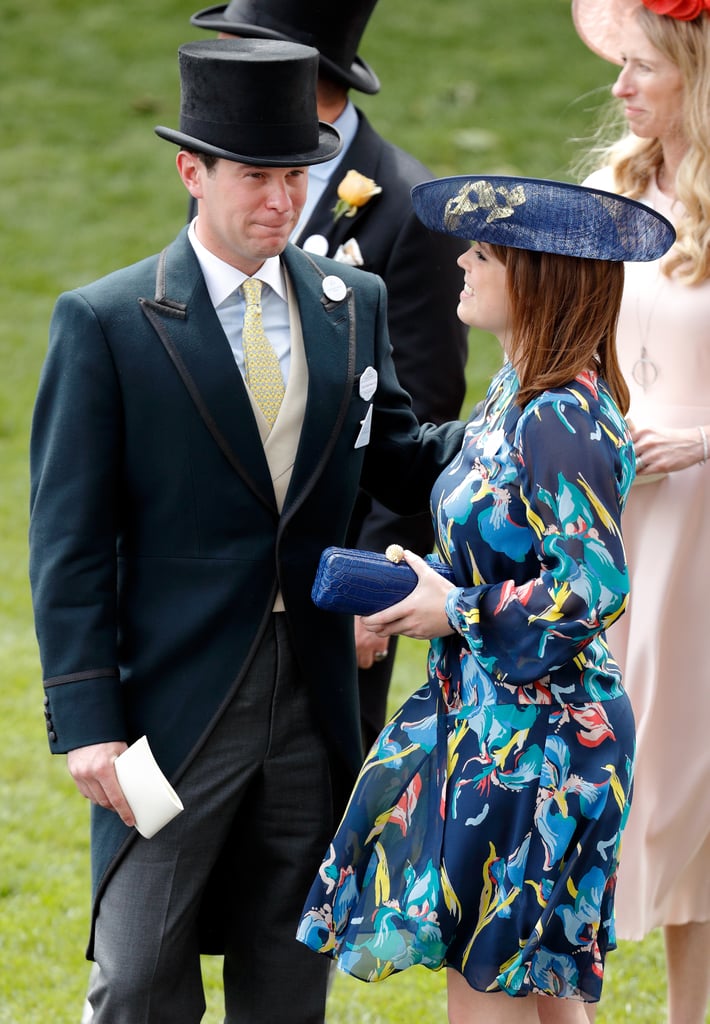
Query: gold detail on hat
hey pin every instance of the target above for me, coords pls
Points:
(481, 195)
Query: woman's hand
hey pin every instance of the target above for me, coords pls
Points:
(422, 614)
(667, 450)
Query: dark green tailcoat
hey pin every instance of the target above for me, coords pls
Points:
(156, 546)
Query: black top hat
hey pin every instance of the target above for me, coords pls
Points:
(544, 216)
(333, 27)
(253, 101)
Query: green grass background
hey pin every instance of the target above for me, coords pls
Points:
(85, 186)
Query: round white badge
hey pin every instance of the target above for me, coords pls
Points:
(334, 288)
(317, 244)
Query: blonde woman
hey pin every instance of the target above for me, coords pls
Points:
(663, 338)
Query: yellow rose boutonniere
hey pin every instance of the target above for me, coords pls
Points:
(353, 192)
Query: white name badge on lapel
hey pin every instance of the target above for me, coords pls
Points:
(334, 288)
(368, 383)
(363, 437)
(317, 244)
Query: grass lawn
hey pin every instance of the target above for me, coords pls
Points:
(85, 187)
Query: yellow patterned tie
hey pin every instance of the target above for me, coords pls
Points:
(262, 370)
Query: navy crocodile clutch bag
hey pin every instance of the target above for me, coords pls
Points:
(365, 582)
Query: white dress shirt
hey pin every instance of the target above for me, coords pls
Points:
(223, 280)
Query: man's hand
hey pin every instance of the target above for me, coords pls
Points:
(370, 648)
(93, 771)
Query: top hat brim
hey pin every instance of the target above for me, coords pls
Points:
(543, 216)
(358, 76)
(329, 145)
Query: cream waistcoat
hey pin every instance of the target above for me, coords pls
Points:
(281, 442)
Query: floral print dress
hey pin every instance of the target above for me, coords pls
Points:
(483, 831)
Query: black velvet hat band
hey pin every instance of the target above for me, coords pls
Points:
(266, 140)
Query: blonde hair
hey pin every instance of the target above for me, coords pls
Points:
(636, 161)
(564, 312)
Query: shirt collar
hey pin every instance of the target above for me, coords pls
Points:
(222, 278)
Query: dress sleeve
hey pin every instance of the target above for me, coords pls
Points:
(568, 463)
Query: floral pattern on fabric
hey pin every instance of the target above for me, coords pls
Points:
(483, 832)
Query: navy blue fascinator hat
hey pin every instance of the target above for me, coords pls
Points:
(252, 101)
(544, 216)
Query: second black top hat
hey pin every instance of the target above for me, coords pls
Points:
(333, 28)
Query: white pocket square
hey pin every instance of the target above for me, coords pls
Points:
(349, 252)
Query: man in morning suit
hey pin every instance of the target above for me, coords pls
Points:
(418, 266)
(176, 527)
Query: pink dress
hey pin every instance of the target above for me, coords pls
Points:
(661, 643)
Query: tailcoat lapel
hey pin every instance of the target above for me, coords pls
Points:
(183, 317)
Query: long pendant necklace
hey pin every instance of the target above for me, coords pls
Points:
(645, 371)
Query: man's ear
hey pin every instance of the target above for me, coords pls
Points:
(189, 166)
